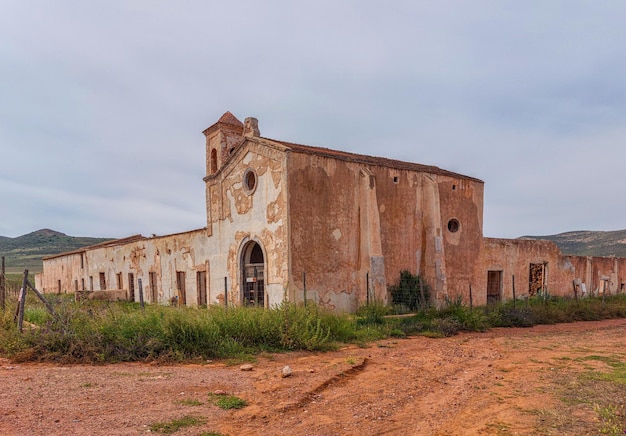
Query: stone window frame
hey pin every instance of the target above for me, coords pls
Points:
(248, 173)
(454, 225)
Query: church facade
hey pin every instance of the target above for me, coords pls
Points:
(286, 220)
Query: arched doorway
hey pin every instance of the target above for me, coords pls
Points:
(253, 268)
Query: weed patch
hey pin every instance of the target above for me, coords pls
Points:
(189, 402)
(227, 402)
(102, 332)
(174, 425)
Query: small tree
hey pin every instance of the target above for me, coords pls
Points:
(411, 292)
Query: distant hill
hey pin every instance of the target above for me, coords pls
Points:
(587, 243)
(26, 251)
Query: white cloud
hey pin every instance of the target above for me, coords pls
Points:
(105, 102)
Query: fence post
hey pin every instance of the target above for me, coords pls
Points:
(22, 302)
(304, 286)
(226, 292)
(514, 291)
(367, 288)
(3, 291)
(471, 297)
(140, 294)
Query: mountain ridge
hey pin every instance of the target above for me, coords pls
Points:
(588, 242)
(27, 251)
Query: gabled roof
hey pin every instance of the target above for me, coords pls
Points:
(370, 160)
(228, 121)
(229, 118)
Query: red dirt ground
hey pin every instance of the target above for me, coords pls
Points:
(504, 381)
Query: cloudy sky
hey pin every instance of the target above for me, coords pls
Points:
(103, 103)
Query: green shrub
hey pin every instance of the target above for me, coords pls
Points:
(411, 292)
(373, 313)
(174, 425)
(94, 332)
(227, 402)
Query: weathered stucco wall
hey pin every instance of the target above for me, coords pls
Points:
(515, 256)
(325, 229)
(238, 214)
(350, 220)
(164, 257)
(461, 209)
(62, 274)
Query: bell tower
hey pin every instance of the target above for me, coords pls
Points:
(221, 140)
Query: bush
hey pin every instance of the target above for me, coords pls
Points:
(410, 292)
(372, 313)
(96, 332)
(93, 332)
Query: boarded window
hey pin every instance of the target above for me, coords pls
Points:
(202, 294)
(537, 278)
(131, 286)
(120, 283)
(180, 285)
(154, 292)
(103, 281)
(494, 286)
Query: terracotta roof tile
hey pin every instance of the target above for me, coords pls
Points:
(229, 118)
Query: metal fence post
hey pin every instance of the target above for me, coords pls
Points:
(514, 291)
(226, 292)
(2, 286)
(22, 302)
(140, 294)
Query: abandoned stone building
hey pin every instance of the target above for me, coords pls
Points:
(286, 219)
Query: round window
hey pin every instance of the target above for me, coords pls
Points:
(249, 180)
(454, 225)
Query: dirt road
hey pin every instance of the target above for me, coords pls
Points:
(505, 381)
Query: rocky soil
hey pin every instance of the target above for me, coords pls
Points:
(505, 381)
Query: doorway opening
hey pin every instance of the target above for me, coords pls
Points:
(154, 292)
(494, 287)
(131, 286)
(181, 286)
(253, 269)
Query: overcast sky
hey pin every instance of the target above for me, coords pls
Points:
(103, 103)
